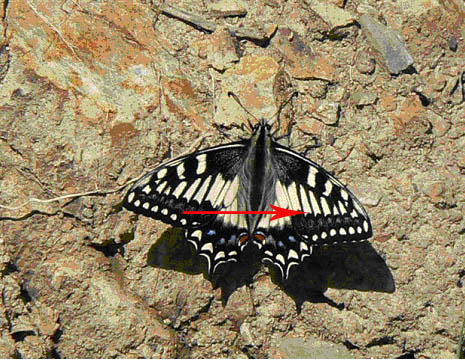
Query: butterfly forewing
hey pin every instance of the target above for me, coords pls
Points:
(190, 183)
(332, 213)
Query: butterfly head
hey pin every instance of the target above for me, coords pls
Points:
(262, 126)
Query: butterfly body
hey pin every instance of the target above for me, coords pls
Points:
(260, 174)
(249, 175)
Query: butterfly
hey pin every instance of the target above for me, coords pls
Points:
(251, 174)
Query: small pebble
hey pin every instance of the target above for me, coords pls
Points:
(453, 43)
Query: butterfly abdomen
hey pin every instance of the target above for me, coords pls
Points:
(258, 177)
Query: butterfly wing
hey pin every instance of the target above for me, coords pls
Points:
(333, 213)
(206, 180)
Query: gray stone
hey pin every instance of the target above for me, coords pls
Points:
(390, 44)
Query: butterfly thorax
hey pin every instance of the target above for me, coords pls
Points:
(257, 176)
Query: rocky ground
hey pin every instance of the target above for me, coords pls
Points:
(93, 94)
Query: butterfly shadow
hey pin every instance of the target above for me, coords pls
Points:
(355, 266)
(172, 252)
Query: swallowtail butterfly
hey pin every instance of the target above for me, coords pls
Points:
(247, 175)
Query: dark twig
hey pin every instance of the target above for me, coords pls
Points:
(208, 26)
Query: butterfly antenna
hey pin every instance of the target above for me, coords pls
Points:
(234, 96)
(277, 114)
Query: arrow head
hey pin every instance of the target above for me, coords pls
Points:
(280, 212)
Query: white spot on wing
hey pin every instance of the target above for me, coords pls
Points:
(292, 255)
(147, 189)
(332, 232)
(227, 219)
(232, 192)
(180, 170)
(305, 204)
(324, 205)
(342, 231)
(344, 194)
(160, 187)
(221, 195)
(328, 188)
(215, 188)
(303, 246)
(202, 165)
(164, 211)
(131, 197)
(342, 208)
(162, 173)
(234, 217)
(220, 255)
(281, 196)
(242, 221)
(293, 196)
(146, 205)
(312, 171)
(351, 230)
(315, 207)
(182, 185)
(191, 190)
(365, 226)
(197, 234)
(136, 203)
(207, 247)
(203, 189)
(280, 268)
(280, 258)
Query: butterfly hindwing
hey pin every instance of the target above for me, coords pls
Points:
(283, 248)
(218, 243)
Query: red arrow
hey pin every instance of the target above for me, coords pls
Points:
(277, 212)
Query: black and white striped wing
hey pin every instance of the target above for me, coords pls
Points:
(333, 213)
(206, 180)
